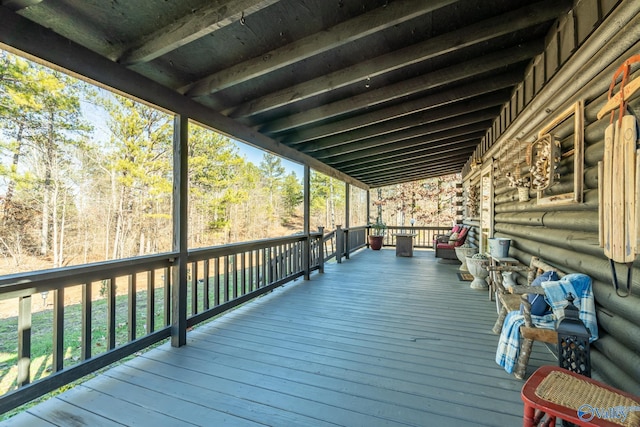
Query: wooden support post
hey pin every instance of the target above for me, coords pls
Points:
(347, 249)
(179, 271)
(366, 238)
(306, 256)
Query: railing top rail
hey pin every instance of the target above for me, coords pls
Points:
(23, 284)
(29, 283)
(234, 248)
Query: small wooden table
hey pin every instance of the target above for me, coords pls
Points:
(404, 244)
(560, 393)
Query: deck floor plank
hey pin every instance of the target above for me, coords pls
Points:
(378, 340)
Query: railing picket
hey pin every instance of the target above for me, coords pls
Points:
(264, 267)
(111, 313)
(24, 341)
(216, 282)
(243, 272)
(205, 285)
(85, 351)
(58, 330)
(194, 288)
(251, 271)
(226, 278)
(151, 301)
(234, 276)
(132, 307)
(167, 295)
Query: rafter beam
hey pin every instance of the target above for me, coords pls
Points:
(216, 15)
(439, 99)
(352, 152)
(415, 176)
(436, 140)
(519, 19)
(412, 166)
(346, 32)
(487, 102)
(441, 77)
(453, 147)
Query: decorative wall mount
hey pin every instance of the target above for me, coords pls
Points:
(543, 157)
(545, 154)
(473, 201)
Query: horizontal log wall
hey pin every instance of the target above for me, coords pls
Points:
(566, 235)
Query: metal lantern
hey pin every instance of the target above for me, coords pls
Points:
(573, 341)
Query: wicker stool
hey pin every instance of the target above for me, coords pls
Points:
(560, 393)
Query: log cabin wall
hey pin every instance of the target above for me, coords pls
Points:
(581, 56)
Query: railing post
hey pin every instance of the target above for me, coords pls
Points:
(339, 244)
(321, 250)
(306, 185)
(347, 219)
(179, 271)
(347, 243)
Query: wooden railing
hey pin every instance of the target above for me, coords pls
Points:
(128, 305)
(424, 238)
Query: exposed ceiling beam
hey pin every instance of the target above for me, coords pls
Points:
(426, 165)
(520, 19)
(397, 140)
(473, 67)
(435, 139)
(415, 176)
(379, 180)
(408, 122)
(216, 15)
(440, 99)
(408, 157)
(346, 32)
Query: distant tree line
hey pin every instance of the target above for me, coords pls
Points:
(86, 175)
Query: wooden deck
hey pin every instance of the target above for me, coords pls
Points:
(378, 340)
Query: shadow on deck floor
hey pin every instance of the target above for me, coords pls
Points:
(375, 341)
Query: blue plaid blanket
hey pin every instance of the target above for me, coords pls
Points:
(556, 292)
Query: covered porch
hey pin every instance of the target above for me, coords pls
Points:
(375, 340)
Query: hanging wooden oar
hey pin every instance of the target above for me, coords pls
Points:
(619, 171)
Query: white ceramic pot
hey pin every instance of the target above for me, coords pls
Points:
(462, 253)
(478, 268)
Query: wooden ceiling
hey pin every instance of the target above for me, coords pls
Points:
(382, 91)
